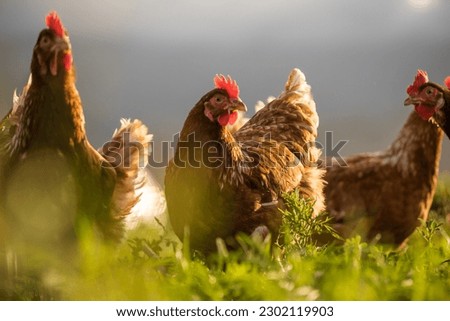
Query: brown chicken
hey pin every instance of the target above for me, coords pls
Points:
(383, 195)
(219, 183)
(54, 185)
(431, 101)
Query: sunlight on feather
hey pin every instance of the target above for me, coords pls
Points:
(244, 118)
(151, 204)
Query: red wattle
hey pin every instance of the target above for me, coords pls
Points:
(233, 118)
(425, 112)
(223, 119)
(67, 61)
(227, 118)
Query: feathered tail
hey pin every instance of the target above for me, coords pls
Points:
(312, 183)
(298, 89)
(127, 152)
(152, 203)
(291, 120)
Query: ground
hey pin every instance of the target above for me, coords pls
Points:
(152, 265)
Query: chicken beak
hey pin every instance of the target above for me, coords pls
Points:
(238, 105)
(410, 101)
(60, 45)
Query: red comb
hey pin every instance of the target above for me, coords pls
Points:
(53, 22)
(447, 82)
(421, 78)
(228, 84)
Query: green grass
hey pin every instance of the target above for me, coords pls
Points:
(152, 265)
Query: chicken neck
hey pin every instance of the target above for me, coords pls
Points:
(53, 115)
(205, 143)
(417, 149)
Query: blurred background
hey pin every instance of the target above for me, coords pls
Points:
(153, 59)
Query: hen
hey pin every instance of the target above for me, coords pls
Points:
(383, 195)
(54, 185)
(219, 183)
(431, 101)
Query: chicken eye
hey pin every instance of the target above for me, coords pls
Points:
(218, 99)
(429, 91)
(45, 41)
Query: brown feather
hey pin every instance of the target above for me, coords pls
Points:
(127, 152)
(386, 193)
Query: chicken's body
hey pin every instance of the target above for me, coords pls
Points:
(386, 193)
(241, 188)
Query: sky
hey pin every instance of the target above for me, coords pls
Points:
(154, 59)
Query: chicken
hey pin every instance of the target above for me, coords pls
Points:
(431, 101)
(381, 196)
(54, 186)
(219, 184)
